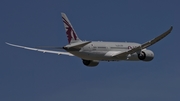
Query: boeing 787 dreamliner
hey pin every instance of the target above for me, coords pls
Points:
(92, 52)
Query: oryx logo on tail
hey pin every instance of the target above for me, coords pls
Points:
(69, 31)
(71, 34)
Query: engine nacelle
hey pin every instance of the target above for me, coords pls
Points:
(90, 63)
(146, 55)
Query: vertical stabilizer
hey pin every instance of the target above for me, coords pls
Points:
(70, 32)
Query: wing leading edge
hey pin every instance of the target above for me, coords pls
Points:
(146, 44)
(41, 50)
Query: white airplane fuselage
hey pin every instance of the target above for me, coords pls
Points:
(104, 51)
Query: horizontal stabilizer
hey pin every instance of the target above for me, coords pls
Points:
(77, 45)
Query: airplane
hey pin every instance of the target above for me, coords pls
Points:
(92, 52)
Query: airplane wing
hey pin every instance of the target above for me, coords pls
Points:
(146, 44)
(42, 50)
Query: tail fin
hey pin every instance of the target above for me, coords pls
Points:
(70, 32)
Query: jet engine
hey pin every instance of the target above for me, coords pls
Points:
(90, 63)
(146, 55)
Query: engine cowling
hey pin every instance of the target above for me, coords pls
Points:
(90, 63)
(146, 55)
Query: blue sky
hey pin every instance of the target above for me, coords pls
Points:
(33, 76)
